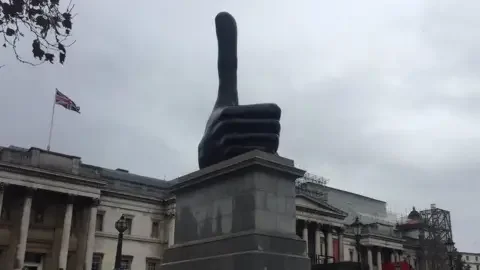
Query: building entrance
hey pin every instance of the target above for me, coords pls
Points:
(33, 261)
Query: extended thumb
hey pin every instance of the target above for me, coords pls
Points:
(226, 29)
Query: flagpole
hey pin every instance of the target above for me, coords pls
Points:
(51, 120)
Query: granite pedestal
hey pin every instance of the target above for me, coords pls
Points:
(238, 214)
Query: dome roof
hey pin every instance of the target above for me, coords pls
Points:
(414, 215)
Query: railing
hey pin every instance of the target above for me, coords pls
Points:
(320, 259)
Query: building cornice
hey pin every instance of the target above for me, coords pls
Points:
(57, 176)
(130, 196)
(378, 237)
(337, 213)
(320, 212)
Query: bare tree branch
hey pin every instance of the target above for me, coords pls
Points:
(50, 27)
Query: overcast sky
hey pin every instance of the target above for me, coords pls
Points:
(381, 97)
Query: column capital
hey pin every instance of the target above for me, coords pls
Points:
(170, 213)
(30, 192)
(340, 230)
(2, 186)
(70, 198)
(326, 228)
(95, 202)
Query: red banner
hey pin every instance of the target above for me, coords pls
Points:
(396, 266)
(336, 250)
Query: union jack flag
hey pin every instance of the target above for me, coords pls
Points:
(66, 102)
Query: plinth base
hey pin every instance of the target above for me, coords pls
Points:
(238, 214)
(243, 251)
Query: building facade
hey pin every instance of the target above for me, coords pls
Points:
(59, 213)
(472, 260)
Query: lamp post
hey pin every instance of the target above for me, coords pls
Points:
(422, 260)
(121, 226)
(450, 246)
(357, 230)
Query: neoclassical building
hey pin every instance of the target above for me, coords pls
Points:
(59, 213)
(472, 260)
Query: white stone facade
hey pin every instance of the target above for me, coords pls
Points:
(471, 259)
(58, 213)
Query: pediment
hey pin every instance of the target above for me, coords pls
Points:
(320, 207)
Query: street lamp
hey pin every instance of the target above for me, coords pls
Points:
(421, 242)
(450, 247)
(121, 226)
(357, 231)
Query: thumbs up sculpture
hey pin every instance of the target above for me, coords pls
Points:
(234, 129)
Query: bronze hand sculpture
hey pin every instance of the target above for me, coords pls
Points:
(234, 129)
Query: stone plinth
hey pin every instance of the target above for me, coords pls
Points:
(238, 214)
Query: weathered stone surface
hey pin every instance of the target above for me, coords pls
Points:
(238, 214)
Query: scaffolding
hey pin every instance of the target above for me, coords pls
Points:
(438, 229)
(312, 185)
(438, 224)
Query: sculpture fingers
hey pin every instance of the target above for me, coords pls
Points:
(265, 140)
(254, 111)
(244, 126)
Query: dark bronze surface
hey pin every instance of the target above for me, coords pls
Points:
(234, 129)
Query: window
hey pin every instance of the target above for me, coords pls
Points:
(32, 257)
(153, 264)
(129, 225)
(126, 263)
(155, 227)
(97, 261)
(351, 254)
(99, 224)
(467, 257)
(38, 215)
(476, 258)
(478, 267)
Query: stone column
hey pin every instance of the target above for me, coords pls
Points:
(392, 256)
(91, 234)
(341, 247)
(171, 227)
(172, 235)
(81, 235)
(379, 259)
(305, 234)
(329, 238)
(162, 230)
(67, 225)
(327, 233)
(370, 258)
(397, 256)
(2, 191)
(24, 225)
(318, 241)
